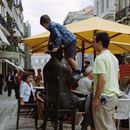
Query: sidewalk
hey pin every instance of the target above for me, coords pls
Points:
(8, 110)
(8, 116)
(7, 105)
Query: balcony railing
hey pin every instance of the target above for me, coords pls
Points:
(124, 12)
(3, 22)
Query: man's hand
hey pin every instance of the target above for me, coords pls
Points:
(54, 49)
(46, 51)
(22, 103)
(95, 104)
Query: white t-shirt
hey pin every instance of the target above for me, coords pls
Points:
(106, 63)
(84, 86)
(25, 91)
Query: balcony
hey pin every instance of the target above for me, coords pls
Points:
(124, 12)
(3, 22)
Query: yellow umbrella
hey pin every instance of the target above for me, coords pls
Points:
(84, 31)
(118, 33)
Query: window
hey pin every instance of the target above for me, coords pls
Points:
(102, 5)
(3, 12)
(17, 2)
(107, 3)
(119, 5)
(0, 9)
(97, 8)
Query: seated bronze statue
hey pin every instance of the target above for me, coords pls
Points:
(57, 80)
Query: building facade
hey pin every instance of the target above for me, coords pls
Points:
(11, 30)
(115, 10)
(123, 11)
(105, 9)
(123, 16)
(79, 15)
(39, 61)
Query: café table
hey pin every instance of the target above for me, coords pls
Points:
(40, 93)
(41, 88)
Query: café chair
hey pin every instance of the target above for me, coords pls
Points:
(29, 110)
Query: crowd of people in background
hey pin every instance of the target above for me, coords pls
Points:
(13, 80)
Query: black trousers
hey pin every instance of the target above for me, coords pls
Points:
(9, 88)
(1, 86)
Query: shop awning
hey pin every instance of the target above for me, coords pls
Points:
(3, 39)
(9, 62)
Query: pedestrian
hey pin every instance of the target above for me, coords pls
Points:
(60, 35)
(1, 82)
(10, 83)
(85, 83)
(38, 77)
(85, 87)
(106, 85)
(86, 64)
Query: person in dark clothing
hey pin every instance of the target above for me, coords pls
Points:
(1, 82)
(51, 71)
(10, 83)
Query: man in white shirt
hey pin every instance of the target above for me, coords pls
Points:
(106, 83)
(85, 83)
(85, 87)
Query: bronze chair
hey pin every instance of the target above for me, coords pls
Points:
(59, 101)
(30, 110)
(54, 113)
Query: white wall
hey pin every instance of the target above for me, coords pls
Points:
(105, 8)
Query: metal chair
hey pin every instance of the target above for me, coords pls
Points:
(30, 109)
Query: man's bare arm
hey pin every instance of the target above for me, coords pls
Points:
(99, 88)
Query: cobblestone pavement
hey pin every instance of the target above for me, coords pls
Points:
(7, 105)
(8, 110)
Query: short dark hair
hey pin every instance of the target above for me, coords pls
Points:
(103, 37)
(31, 71)
(44, 19)
(25, 76)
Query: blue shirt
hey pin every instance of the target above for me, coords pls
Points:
(59, 34)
